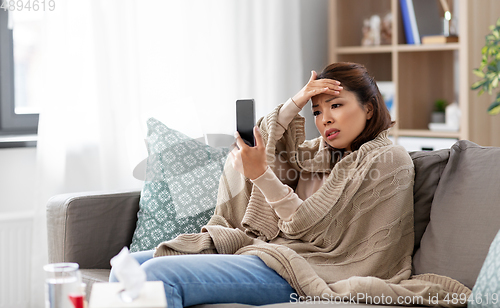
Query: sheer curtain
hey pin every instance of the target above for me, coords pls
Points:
(111, 64)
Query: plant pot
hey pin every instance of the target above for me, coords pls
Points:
(437, 117)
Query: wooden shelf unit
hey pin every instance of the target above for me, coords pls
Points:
(421, 73)
(397, 48)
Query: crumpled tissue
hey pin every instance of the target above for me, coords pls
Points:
(128, 271)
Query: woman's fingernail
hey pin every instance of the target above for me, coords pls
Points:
(236, 134)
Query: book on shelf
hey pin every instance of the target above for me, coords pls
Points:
(421, 18)
(409, 22)
(387, 90)
(429, 17)
(439, 39)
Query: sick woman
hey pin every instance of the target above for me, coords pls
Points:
(324, 219)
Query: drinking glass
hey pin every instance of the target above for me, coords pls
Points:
(61, 279)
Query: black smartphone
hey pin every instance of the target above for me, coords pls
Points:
(245, 120)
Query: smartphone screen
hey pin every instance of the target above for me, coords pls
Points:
(245, 120)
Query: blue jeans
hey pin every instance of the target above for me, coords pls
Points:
(214, 278)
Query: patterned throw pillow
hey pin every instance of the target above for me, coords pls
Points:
(486, 291)
(180, 190)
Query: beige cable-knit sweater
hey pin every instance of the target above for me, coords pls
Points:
(353, 237)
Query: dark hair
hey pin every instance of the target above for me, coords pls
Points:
(355, 78)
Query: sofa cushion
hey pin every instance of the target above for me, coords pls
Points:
(465, 214)
(304, 304)
(180, 189)
(486, 291)
(429, 166)
(91, 276)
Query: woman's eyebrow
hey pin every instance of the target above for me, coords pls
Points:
(327, 101)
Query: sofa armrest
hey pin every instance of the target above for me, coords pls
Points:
(90, 228)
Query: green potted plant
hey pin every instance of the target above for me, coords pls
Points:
(489, 70)
(438, 115)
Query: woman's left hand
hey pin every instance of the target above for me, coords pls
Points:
(250, 161)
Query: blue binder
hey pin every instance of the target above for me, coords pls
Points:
(409, 22)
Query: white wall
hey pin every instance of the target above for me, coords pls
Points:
(17, 179)
(18, 165)
(314, 33)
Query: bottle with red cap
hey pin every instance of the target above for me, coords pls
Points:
(78, 299)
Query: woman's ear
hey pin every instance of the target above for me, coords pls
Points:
(369, 111)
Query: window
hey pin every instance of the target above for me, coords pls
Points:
(18, 61)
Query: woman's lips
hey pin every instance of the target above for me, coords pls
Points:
(332, 136)
(332, 133)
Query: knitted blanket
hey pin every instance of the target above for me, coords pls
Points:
(352, 239)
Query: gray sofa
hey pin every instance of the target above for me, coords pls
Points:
(457, 215)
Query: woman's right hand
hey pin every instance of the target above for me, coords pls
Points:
(315, 87)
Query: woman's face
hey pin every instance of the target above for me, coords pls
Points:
(340, 119)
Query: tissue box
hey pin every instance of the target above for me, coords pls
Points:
(106, 295)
